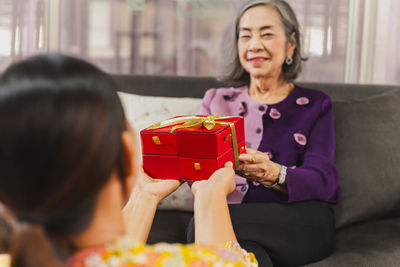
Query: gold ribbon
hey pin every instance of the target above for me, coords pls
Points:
(208, 122)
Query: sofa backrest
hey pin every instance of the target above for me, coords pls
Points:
(184, 86)
(367, 144)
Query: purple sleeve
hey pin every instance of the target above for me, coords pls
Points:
(205, 104)
(318, 176)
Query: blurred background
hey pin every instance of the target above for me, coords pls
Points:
(352, 41)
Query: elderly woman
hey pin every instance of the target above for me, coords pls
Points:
(70, 172)
(288, 176)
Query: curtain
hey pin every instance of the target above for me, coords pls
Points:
(22, 29)
(183, 37)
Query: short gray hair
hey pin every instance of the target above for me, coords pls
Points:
(232, 71)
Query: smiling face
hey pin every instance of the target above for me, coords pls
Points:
(262, 43)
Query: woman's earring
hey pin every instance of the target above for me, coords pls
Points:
(289, 60)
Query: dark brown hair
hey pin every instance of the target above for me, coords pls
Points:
(61, 123)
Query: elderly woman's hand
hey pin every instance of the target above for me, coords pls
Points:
(256, 166)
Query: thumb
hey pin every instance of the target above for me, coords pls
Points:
(228, 164)
(196, 185)
(170, 184)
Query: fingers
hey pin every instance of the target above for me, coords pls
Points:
(223, 178)
(228, 164)
(159, 189)
(253, 158)
(251, 168)
(173, 184)
(197, 185)
(251, 151)
(247, 158)
(226, 171)
(165, 187)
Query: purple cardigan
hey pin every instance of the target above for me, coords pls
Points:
(297, 132)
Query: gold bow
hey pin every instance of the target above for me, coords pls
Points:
(208, 122)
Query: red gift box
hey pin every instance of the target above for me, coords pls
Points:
(191, 147)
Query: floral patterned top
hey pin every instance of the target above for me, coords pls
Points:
(4, 260)
(126, 252)
(297, 132)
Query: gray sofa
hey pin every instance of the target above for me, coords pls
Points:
(367, 123)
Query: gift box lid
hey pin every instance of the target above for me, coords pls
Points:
(173, 137)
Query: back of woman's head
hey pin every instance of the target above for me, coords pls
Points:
(60, 139)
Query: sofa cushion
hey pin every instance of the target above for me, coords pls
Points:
(368, 157)
(143, 111)
(368, 244)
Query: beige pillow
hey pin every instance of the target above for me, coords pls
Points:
(143, 111)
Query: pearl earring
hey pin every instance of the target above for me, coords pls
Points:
(289, 60)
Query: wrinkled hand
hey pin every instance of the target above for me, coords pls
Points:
(156, 187)
(222, 180)
(256, 166)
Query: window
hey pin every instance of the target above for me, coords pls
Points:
(324, 26)
(345, 41)
(22, 29)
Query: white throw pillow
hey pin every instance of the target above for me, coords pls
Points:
(143, 111)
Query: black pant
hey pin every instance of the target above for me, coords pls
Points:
(282, 234)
